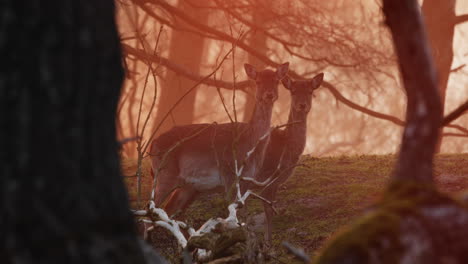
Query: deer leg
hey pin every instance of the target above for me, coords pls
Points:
(180, 199)
(270, 195)
(167, 181)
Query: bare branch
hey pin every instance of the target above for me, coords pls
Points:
(185, 94)
(455, 114)
(126, 140)
(456, 69)
(254, 27)
(454, 135)
(160, 218)
(257, 183)
(220, 34)
(359, 108)
(243, 85)
(166, 22)
(143, 56)
(171, 225)
(270, 203)
(460, 19)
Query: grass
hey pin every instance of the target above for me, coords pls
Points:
(322, 196)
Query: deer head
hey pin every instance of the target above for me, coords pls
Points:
(302, 91)
(267, 81)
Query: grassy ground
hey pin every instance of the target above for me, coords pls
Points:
(321, 197)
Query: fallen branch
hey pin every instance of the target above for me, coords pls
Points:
(160, 218)
(210, 231)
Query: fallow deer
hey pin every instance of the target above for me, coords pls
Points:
(206, 162)
(286, 146)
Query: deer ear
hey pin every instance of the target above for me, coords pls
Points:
(250, 70)
(316, 81)
(287, 82)
(282, 70)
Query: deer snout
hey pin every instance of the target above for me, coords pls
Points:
(269, 96)
(302, 107)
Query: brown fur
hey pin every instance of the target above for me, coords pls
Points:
(206, 161)
(286, 146)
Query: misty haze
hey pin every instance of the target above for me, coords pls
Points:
(248, 131)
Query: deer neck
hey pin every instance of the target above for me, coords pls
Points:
(261, 119)
(296, 132)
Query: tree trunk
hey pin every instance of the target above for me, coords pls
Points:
(62, 197)
(439, 17)
(186, 49)
(258, 42)
(413, 222)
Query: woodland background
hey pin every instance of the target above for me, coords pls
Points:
(358, 110)
(62, 195)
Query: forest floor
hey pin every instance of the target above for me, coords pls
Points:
(318, 199)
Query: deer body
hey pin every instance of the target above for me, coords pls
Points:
(207, 162)
(287, 145)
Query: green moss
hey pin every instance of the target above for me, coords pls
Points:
(402, 198)
(363, 235)
(329, 193)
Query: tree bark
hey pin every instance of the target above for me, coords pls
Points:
(439, 17)
(62, 198)
(186, 49)
(424, 110)
(257, 42)
(413, 222)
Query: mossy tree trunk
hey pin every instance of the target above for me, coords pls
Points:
(413, 223)
(419, 76)
(62, 199)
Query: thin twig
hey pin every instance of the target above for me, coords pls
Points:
(153, 103)
(126, 140)
(139, 141)
(184, 95)
(264, 200)
(223, 102)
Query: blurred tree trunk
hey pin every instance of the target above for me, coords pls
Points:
(187, 50)
(257, 42)
(62, 198)
(413, 222)
(439, 18)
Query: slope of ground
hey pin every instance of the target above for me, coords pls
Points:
(321, 196)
